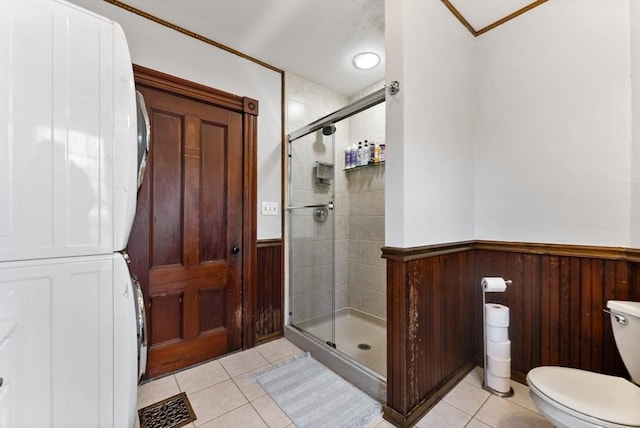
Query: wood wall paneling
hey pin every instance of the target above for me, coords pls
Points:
(270, 287)
(429, 330)
(555, 306)
(434, 306)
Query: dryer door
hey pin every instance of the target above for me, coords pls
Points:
(141, 321)
(144, 135)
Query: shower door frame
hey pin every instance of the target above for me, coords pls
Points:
(327, 337)
(356, 107)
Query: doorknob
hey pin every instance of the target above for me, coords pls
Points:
(235, 250)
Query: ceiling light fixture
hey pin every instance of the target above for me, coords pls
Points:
(366, 60)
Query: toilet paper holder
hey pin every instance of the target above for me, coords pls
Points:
(485, 384)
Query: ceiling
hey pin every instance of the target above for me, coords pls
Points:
(315, 39)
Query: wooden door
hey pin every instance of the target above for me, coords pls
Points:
(186, 241)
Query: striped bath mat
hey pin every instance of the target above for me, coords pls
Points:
(313, 396)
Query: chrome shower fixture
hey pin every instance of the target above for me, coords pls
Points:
(329, 129)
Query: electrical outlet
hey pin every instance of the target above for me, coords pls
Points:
(269, 208)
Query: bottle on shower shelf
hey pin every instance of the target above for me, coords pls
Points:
(366, 153)
(359, 158)
(376, 153)
(354, 155)
(347, 157)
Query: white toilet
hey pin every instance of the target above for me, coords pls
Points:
(572, 398)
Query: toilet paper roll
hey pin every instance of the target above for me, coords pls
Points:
(493, 283)
(499, 366)
(496, 315)
(497, 334)
(499, 349)
(499, 383)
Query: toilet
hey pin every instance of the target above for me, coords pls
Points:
(572, 398)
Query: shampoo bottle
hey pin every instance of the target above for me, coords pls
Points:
(354, 155)
(366, 153)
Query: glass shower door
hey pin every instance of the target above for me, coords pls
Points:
(311, 222)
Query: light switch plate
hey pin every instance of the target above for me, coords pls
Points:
(269, 208)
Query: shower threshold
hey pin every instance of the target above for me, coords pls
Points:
(355, 332)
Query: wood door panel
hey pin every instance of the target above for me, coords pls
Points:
(167, 188)
(175, 355)
(172, 278)
(213, 313)
(192, 217)
(212, 215)
(166, 318)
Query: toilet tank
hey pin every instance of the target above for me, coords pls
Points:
(627, 335)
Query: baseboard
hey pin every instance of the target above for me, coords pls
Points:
(421, 409)
(269, 337)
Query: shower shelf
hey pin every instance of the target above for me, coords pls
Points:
(363, 166)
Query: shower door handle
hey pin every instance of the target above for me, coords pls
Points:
(306, 206)
(300, 207)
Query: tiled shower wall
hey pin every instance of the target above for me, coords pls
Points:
(359, 208)
(362, 191)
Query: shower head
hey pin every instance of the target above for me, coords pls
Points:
(329, 129)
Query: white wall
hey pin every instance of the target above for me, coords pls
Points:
(430, 167)
(635, 125)
(541, 113)
(554, 126)
(160, 48)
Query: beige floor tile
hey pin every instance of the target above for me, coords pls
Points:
(159, 389)
(282, 360)
(475, 377)
(241, 362)
(474, 423)
(385, 424)
(249, 386)
(270, 412)
(215, 401)
(521, 397)
(201, 377)
(444, 415)
(498, 412)
(467, 397)
(278, 349)
(242, 417)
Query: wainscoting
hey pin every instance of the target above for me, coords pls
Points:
(270, 287)
(434, 305)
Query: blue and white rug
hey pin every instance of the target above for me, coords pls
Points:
(313, 396)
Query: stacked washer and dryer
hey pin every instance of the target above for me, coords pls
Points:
(71, 323)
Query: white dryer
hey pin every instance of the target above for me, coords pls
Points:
(70, 161)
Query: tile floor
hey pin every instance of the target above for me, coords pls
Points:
(223, 395)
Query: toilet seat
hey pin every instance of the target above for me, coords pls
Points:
(595, 398)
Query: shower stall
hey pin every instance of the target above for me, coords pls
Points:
(335, 229)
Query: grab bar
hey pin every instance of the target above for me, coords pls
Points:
(329, 205)
(621, 319)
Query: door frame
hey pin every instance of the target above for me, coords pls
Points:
(249, 109)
